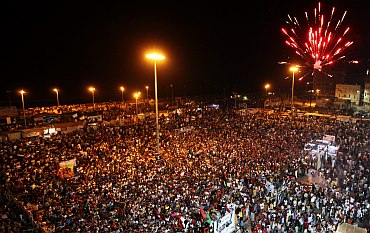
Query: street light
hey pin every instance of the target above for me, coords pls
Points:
(57, 92)
(92, 90)
(317, 93)
(22, 92)
(136, 95)
(147, 92)
(171, 94)
(122, 90)
(235, 100)
(267, 86)
(293, 69)
(156, 57)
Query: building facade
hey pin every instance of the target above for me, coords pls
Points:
(366, 100)
(348, 92)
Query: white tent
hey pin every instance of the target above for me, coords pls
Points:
(348, 228)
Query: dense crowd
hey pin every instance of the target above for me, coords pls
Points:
(121, 185)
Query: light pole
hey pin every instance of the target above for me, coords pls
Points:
(147, 92)
(57, 92)
(234, 100)
(156, 57)
(293, 69)
(122, 90)
(136, 95)
(22, 92)
(92, 90)
(171, 94)
(317, 94)
(267, 86)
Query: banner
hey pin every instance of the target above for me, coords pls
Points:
(226, 224)
(329, 138)
(332, 150)
(66, 168)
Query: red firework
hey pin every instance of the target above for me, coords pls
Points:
(323, 41)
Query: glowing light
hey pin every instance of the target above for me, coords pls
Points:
(137, 95)
(293, 68)
(155, 56)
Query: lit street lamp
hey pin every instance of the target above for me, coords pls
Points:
(293, 69)
(156, 57)
(136, 95)
(147, 92)
(57, 92)
(122, 90)
(92, 90)
(267, 86)
(235, 100)
(317, 94)
(22, 92)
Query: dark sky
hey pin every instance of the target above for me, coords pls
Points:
(74, 44)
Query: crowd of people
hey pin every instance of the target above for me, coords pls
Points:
(249, 164)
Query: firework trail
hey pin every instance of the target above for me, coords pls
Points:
(323, 41)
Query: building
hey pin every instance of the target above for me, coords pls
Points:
(348, 92)
(325, 83)
(366, 100)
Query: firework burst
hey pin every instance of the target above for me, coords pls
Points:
(322, 42)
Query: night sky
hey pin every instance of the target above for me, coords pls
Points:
(210, 49)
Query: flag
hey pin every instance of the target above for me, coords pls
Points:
(179, 226)
(203, 213)
(208, 219)
(246, 210)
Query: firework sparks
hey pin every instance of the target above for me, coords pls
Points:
(322, 43)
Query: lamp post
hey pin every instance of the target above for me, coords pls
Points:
(156, 57)
(267, 86)
(293, 69)
(317, 94)
(136, 95)
(22, 92)
(235, 100)
(147, 92)
(311, 94)
(57, 92)
(122, 90)
(92, 90)
(171, 94)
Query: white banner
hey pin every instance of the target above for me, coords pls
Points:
(227, 224)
